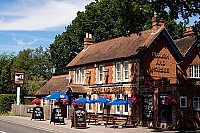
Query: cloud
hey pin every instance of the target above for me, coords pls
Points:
(21, 42)
(32, 15)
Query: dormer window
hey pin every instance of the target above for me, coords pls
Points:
(194, 71)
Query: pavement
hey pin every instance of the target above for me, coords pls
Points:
(57, 128)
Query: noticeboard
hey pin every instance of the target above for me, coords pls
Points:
(37, 113)
(147, 107)
(79, 118)
(57, 116)
(19, 77)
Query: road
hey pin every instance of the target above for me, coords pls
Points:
(8, 127)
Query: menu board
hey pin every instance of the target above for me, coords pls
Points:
(57, 116)
(164, 111)
(148, 111)
(80, 118)
(37, 113)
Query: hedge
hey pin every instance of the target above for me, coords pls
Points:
(6, 100)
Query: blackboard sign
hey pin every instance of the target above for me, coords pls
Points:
(57, 116)
(37, 113)
(80, 118)
(164, 111)
(148, 108)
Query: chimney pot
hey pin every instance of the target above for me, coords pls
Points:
(88, 41)
(157, 22)
(188, 31)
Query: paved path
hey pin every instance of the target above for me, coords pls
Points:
(46, 126)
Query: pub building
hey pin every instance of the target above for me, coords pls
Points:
(147, 66)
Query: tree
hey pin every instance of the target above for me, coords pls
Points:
(105, 19)
(6, 79)
(183, 8)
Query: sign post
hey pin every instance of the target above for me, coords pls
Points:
(19, 80)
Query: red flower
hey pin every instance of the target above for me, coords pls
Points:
(36, 101)
(135, 99)
(65, 101)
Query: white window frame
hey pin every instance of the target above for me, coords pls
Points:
(116, 106)
(194, 71)
(100, 73)
(125, 97)
(126, 79)
(118, 72)
(100, 104)
(90, 105)
(183, 97)
(82, 76)
(77, 76)
(198, 103)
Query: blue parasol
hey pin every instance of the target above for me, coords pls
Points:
(119, 102)
(83, 100)
(56, 96)
(102, 100)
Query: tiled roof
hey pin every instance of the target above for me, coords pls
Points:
(121, 47)
(78, 88)
(56, 83)
(184, 44)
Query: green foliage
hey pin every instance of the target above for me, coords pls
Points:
(105, 19)
(6, 100)
(6, 82)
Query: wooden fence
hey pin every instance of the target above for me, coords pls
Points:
(22, 110)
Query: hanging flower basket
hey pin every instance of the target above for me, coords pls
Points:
(135, 99)
(36, 101)
(65, 101)
(171, 99)
(162, 83)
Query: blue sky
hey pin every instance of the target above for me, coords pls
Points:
(33, 23)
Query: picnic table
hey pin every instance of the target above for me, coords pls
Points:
(114, 118)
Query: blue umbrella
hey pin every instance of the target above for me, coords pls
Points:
(119, 102)
(57, 96)
(102, 100)
(82, 100)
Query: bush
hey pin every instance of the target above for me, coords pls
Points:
(6, 100)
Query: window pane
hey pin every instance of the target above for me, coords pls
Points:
(196, 71)
(183, 102)
(191, 71)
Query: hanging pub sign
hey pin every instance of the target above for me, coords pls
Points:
(147, 106)
(19, 77)
(57, 116)
(79, 118)
(37, 113)
(164, 111)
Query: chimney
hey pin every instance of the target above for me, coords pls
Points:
(189, 31)
(88, 40)
(157, 23)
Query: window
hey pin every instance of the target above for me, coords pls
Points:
(90, 105)
(183, 102)
(126, 74)
(125, 107)
(100, 107)
(82, 76)
(194, 71)
(118, 72)
(100, 74)
(77, 76)
(117, 111)
(196, 103)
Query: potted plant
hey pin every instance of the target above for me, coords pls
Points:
(36, 101)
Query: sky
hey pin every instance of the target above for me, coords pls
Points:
(33, 23)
